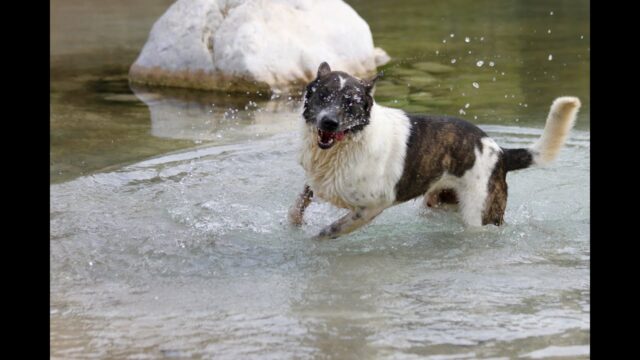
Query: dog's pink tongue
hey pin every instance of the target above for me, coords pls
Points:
(339, 135)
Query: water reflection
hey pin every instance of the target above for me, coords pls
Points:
(217, 116)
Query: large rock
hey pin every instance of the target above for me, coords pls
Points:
(253, 44)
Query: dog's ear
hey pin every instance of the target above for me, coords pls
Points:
(323, 69)
(370, 84)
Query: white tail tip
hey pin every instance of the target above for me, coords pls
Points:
(561, 119)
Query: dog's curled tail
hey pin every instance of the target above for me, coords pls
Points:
(561, 119)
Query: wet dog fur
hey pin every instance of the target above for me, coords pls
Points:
(365, 157)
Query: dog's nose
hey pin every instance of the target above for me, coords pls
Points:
(328, 124)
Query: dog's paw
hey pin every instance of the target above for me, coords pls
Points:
(326, 234)
(321, 237)
(295, 217)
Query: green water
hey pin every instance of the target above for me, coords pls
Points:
(97, 122)
(517, 36)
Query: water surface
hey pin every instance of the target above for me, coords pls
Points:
(168, 232)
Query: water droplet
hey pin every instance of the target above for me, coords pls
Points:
(491, 63)
(550, 57)
(453, 61)
(466, 39)
(476, 85)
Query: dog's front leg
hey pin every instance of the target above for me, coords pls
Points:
(350, 222)
(296, 213)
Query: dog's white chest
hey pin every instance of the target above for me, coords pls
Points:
(362, 170)
(349, 186)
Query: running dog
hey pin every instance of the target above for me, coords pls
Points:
(365, 157)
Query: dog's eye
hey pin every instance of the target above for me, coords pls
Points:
(353, 99)
(351, 107)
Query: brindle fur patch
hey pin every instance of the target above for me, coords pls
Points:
(496, 202)
(437, 144)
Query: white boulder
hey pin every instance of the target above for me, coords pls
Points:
(249, 44)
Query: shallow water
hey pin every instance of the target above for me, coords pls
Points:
(168, 232)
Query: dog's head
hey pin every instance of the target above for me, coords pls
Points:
(337, 104)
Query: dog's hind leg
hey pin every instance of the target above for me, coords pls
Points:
(296, 212)
(350, 222)
(472, 202)
(485, 204)
(473, 190)
(496, 199)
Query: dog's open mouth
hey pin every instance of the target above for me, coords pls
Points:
(327, 139)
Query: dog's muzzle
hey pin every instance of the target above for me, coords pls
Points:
(328, 133)
(327, 139)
